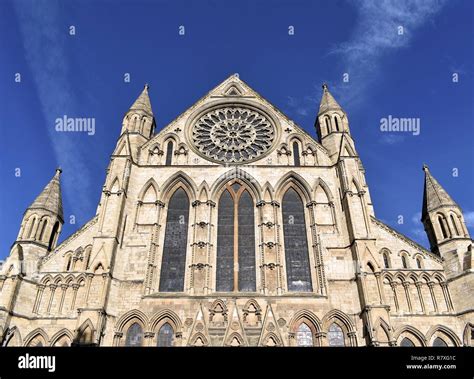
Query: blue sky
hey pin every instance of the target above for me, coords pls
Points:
(82, 75)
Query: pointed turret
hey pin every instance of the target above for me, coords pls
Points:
(443, 220)
(332, 127)
(40, 228)
(434, 196)
(139, 119)
(142, 103)
(50, 198)
(44, 218)
(328, 103)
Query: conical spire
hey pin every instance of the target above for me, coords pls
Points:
(50, 198)
(434, 195)
(143, 103)
(327, 101)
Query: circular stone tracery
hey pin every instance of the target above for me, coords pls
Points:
(233, 134)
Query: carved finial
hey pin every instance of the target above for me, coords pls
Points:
(425, 167)
(147, 86)
(59, 170)
(325, 86)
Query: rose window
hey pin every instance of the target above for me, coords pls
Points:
(233, 134)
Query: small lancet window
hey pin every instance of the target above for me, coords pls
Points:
(404, 261)
(385, 261)
(296, 153)
(169, 153)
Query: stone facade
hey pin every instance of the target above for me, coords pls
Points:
(335, 276)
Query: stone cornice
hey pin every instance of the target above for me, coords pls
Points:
(407, 240)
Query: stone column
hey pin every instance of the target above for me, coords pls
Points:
(447, 298)
(90, 276)
(395, 297)
(52, 288)
(63, 295)
(406, 286)
(117, 338)
(378, 279)
(148, 340)
(317, 251)
(75, 287)
(39, 296)
(433, 297)
(420, 296)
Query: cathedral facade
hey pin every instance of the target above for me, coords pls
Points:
(232, 226)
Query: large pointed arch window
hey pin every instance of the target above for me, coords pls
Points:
(236, 241)
(174, 248)
(298, 271)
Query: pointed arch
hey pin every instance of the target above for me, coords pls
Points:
(12, 337)
(383, 332)
(149, 191)
(252, 313)
(166, 316)
(129, 317)
(355, 187)
(343, 321)
(198, 339)
(233, 174)
(308, 315)
(292, 179)
(37, 337)
(271, 339)
(61, 337)
(178, 179)
(115, 185)
(268, 192)
(320, 184)
(42, 228)
(85, 334)
(235, 339)
(218, 313)
(442, 331)
(339, 315)
(203, 192)
(468, 334)
(410, 332)
(30, 227)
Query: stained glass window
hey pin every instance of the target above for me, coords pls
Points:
(335, 335)
(438, 342)
(225, 243)
(174, 248)
(165, 335)
(169, 153)
(236, 241)
(304, 336)
(134, 335)
(406, 342)
(296, 245)
(296, 153)
(246, 231)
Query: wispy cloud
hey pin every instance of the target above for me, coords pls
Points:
(469, 218)
(392, 139)
(376, 34)
(44, 37)
(416, 218)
